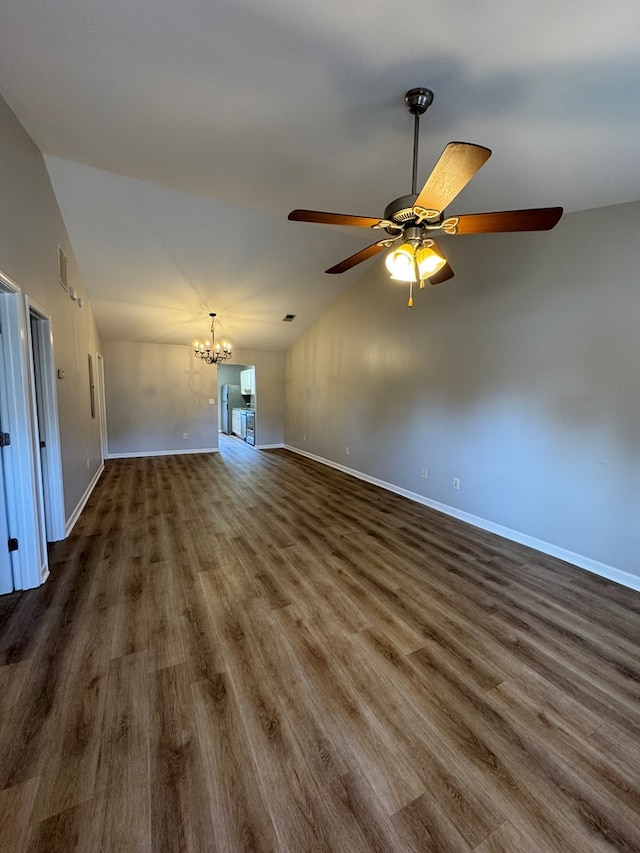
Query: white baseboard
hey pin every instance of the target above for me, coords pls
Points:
(75, 515)
(270, 446)
(601, 569)
(140, 453)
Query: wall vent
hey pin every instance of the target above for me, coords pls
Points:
(289, 318)
(62, 269)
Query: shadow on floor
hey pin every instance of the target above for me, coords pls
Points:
(7, 603)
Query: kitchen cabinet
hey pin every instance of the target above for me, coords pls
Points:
(248, 381)
(236, 421)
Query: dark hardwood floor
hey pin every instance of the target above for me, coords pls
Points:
(251, 651)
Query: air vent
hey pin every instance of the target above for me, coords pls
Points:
(62, 268)
(289, 318)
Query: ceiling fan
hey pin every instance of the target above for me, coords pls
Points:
(416, 217)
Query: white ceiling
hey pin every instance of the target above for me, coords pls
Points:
(179, 135)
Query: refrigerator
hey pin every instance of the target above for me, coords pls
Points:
(230, 398)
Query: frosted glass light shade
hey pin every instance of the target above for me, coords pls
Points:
(401, 262)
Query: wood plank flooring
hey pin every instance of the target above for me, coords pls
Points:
(251, 651)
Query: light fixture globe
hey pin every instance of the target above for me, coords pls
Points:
(413, 263)
(400, 263)
(429, 261)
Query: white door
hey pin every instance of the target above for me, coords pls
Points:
(6, 570)
(20, 467)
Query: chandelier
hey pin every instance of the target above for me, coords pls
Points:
(210, 351)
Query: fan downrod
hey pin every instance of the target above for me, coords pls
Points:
(418, 100)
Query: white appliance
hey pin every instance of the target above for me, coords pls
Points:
(230, 398)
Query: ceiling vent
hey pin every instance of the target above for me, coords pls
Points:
(62, 268)
(289, 318)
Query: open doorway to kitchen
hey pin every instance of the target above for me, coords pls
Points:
(237, 399)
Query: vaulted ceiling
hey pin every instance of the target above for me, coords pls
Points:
(179, 135)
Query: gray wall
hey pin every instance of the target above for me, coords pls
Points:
(521, 376)
(31, 227)
(157, 392)
(270, 406)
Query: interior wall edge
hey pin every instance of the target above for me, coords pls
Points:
(75, 515)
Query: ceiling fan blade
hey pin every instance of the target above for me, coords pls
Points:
(332, 218)
(458, 163)
(534, 219)
(444, 273)
(362, 255)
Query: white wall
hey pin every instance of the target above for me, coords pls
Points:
(521, 376)
(31, 227)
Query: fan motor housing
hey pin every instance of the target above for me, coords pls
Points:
(400, 210)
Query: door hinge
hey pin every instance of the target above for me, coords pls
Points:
(13, 545)
(5, 439)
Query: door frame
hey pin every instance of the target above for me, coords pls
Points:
(51, 481)
(24, 499)
(102, 407)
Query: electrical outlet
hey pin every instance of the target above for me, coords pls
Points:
(185, 435)
(304, 437)
(346, 450)
(212, 401)
(423, 473)
(456, 482)
(88, 464)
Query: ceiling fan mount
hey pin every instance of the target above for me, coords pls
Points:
(418, 100)
(416, 216)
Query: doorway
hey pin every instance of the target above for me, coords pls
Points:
(236, 386)
(102, 406)
(45, 422)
